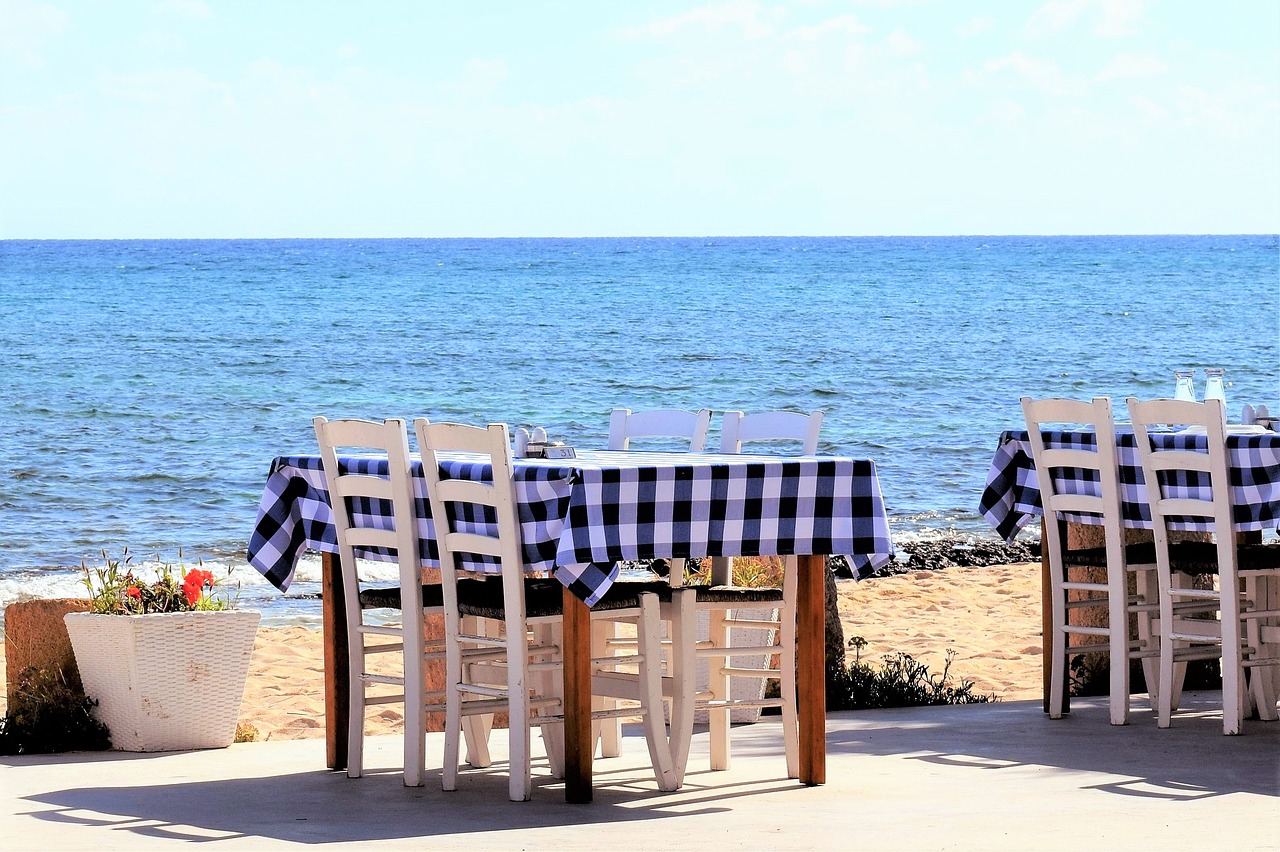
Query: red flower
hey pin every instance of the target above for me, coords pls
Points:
(194, 584)
(134, 592)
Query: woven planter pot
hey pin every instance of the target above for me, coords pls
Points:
(166, 681)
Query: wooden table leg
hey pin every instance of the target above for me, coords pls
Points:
(811, 673)
(337, 685)
(577, 700)
(1046, 628)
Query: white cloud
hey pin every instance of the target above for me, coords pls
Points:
(1115, 18)
(976, 26)
(1055, 15)
(1120, 17)
(1126, 65)
(193, 10)
(1040, 74)
(749, 19)
(25, 29)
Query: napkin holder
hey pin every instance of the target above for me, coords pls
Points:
(549, 450)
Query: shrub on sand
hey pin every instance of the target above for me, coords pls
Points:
(901, 681)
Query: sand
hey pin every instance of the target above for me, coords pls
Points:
(989, 616)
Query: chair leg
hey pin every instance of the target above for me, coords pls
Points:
(476, 728)
(1058, 657)
(355, 704)
(548, 684)
(1118, 641)
(787, 666)
(683, 665)
(415, 688)
(1261, 689)
(718, 686)
(649, 639)
(607, 731)
(520, 781)
(1168, 687)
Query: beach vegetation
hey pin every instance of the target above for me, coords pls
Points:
(115, 588)
(753, 572)
(246, 733)
(899, 681)
(49, 713)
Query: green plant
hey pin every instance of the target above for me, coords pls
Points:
(901, 681)
(245, 733)
(756, 572)
(114, 588)
(50, 713)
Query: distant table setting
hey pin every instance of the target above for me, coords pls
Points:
(1011, 497)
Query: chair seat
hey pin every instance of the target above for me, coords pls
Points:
(544, 596)
(735, 596)
(388, 597)
(1187, 557)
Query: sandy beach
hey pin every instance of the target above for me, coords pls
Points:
(990, 618)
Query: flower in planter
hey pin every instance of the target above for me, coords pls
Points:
(115, 589)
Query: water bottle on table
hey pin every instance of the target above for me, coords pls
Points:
(1215, 388)
(1185, 389)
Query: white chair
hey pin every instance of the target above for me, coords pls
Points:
(687, 429)
(721, 599)
(1243, 570)
(346, 488)
(1115, 558)
(486, 672)
(686, 426)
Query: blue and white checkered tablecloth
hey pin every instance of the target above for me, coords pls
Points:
(580, 516)
(1012, 494)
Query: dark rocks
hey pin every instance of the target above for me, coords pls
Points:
(948, 551)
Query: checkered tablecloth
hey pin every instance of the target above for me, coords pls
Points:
(580, 516)
(1012, 494)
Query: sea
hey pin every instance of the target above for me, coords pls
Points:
(148, 384)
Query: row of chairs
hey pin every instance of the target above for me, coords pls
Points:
(1154, 612)
(501, 632)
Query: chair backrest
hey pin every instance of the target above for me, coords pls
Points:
(690, 426)
(1102, 460)
(737, 429)
(454, 539)
(1164, 467)
(348, 488)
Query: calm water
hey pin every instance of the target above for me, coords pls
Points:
(147, 385)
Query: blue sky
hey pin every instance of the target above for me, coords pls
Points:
(200, 118)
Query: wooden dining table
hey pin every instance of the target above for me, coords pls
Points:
(580, 517)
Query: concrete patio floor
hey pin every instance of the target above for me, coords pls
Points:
(987, 777)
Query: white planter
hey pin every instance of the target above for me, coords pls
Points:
(166, 681)
(740, 688)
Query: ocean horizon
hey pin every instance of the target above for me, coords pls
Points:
(149, 383)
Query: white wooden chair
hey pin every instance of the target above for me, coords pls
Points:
(407, 639)
(486, 672)
(1243, 571)
(685, 426)
(721, 599)
(1118, 560)
(666, 426)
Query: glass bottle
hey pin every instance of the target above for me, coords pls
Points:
(1215, 388)
(1185, 388)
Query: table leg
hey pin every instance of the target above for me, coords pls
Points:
(578, 745)
(811, 669)
(337, 686)
(1046, 628)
